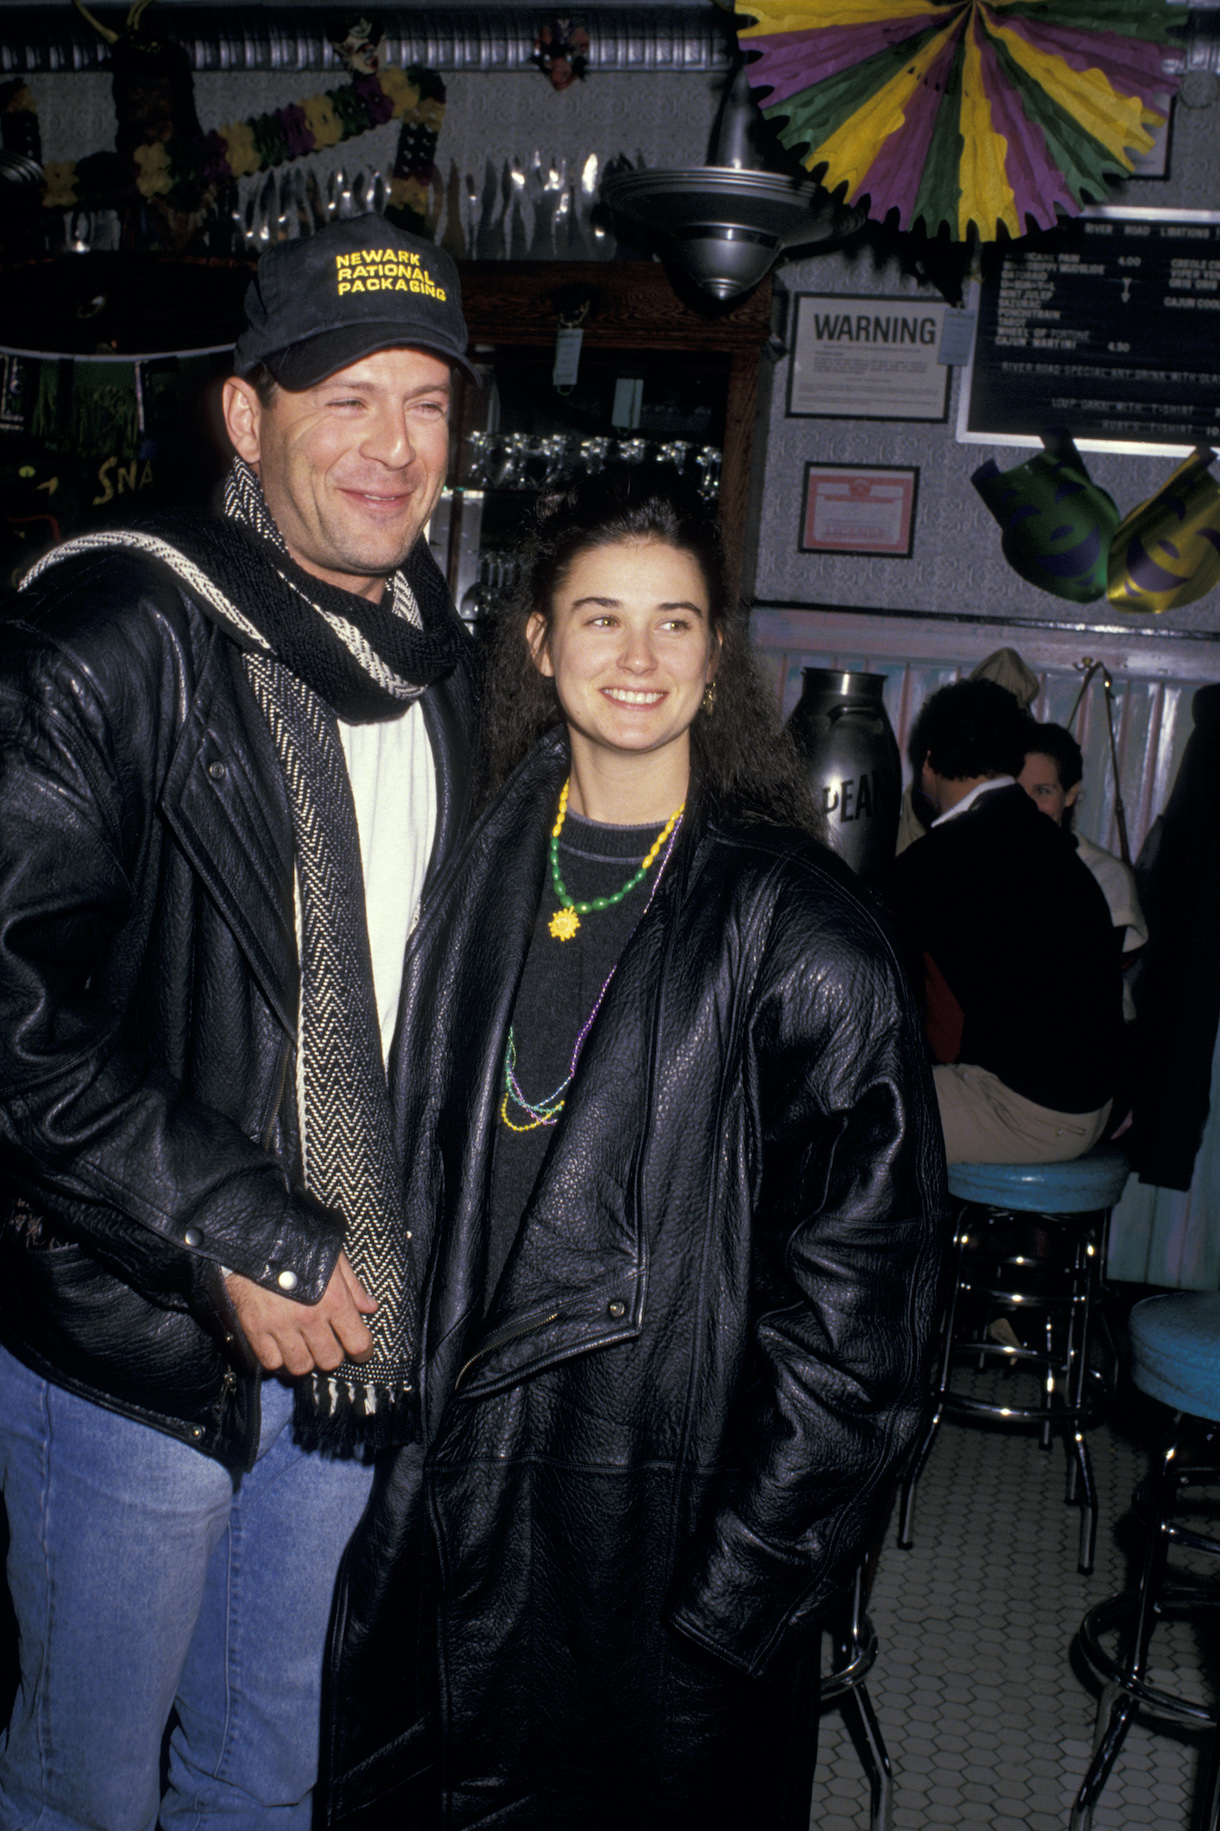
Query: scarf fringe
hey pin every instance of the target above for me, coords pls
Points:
(339, 1417)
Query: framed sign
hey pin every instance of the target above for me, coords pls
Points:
(1108, 325)
(863, 358)
(861, 509)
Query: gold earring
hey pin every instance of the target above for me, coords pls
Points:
(709, 696)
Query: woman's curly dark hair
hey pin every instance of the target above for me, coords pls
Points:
(740, 754)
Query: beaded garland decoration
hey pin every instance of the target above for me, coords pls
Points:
(181, 169)
(547, 1111)
(565, 922)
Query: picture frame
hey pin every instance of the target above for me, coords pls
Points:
(865, 510)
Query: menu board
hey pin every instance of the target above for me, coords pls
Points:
(1108, 325)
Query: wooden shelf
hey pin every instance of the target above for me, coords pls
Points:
(516, 305)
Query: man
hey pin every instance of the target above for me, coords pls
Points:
(232, 750)
(1012, 939)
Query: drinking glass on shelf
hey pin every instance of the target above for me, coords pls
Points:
(676, 452)
(478, 453)
(559, 452)
(535, 460)
(632, 451)
(498, 576)
(508, 577)
(708, 460)
(508, 460)
(592, 455)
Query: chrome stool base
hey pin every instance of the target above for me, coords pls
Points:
(1064, 1292)
(854, 1646)
(1127, 1687)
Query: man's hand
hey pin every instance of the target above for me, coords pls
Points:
(300, 1337)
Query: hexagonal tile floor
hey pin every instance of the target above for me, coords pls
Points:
(986, 1721)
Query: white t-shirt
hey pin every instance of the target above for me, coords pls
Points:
(393, 777)
(1118, 882)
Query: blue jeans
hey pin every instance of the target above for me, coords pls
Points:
(144, 1576)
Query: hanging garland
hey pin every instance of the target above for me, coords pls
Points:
(162, 157)
(180, 170)
(973, 117)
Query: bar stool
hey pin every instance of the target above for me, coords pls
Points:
(1069, 1205)
(1175, 1358)
(1210, 1820)
(854, 1651)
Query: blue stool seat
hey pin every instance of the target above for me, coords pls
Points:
(1087, 1183)
(1055, 1277)
(1175, 1351)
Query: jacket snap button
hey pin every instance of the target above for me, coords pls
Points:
(196, 1430)
(288, 1281)
(217, 771)
(617, 1309)
(192, 1237)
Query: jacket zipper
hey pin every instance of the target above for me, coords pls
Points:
(281, 1079)
(502, 1341)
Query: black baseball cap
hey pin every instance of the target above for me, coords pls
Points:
(351, 289)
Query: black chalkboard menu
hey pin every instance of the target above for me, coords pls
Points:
(1108, 325)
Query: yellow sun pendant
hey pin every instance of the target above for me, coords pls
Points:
(564, 923)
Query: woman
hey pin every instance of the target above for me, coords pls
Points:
(674, 1178)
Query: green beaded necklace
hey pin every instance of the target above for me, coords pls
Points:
(566, 921)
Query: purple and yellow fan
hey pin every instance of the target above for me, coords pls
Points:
(964, 114)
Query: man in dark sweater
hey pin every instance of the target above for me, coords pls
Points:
(1011, 938)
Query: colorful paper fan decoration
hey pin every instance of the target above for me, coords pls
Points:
(1167, 551)
(985, 113)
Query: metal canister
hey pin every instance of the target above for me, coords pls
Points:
(841, 727)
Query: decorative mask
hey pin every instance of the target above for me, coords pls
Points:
(1057, 523)
(1167, 551)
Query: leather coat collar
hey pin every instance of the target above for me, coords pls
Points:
(576, 1277)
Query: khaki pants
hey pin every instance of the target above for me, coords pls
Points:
(985, 1122)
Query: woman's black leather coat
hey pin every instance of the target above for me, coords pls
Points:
(148, 994)
(649, 1466)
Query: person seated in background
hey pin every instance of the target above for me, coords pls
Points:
(1007, 669)
(1051, 777)
(1012, 939)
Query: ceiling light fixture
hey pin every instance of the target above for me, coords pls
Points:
(729, 221)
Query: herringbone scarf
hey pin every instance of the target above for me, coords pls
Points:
(343, 1107)
(326, 648)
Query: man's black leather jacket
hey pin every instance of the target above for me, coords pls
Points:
(148, 994)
